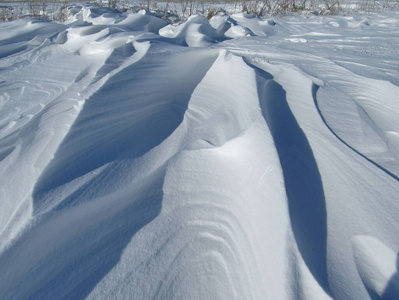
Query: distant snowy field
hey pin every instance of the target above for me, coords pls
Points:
(235, 158)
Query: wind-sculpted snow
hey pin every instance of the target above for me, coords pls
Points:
(235, 158)
(304, 188)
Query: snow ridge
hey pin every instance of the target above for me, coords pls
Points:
(235, 158)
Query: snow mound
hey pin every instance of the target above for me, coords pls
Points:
(238, 30)
(195, 32)
(142, 21)
(377, 265)
(258, 26)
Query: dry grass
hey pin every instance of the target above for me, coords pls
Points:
(57, 10)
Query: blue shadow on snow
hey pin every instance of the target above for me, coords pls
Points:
(304, 187)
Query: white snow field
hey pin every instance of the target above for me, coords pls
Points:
(235, 158)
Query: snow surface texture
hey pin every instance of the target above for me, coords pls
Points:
(232, 159)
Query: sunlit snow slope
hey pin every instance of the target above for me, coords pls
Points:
(235, 158)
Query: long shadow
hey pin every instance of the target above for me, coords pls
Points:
(392, 290)
(304, 188)
(315, 88)
(133, 112)
(65, 257)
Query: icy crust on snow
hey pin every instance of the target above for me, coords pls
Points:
(235, 158)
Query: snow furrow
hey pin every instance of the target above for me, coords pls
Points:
(304, 187)
(314, 91)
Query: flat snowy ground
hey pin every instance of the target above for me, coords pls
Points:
(232, 159)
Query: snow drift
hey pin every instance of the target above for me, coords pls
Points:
(232, 159)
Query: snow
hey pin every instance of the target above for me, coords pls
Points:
(235, 158)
